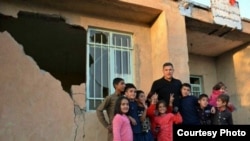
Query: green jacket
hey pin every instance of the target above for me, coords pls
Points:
(109, 105)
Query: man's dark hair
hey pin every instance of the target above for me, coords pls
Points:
(186, 85)
(224, 98)
(202, 95)
(128, 86)
(118, 105)
(116, 81)
(168, 64)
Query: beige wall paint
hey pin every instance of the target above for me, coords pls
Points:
(177, 42)
(33, 103)
(164, 41)
(158, 46)
(205, 67)
(169, 43)
(233, 69)
(93, 128)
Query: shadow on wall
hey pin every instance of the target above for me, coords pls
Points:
(56, 46)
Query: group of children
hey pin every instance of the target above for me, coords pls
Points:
(147, 123)
(138, 117)
(206, 110)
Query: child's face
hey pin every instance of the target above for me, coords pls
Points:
(142, 98)
(185, 91)
(130, 93)
(220, 103)
(162, 108)
(124, 106)
(203, 102)
(120, 86)
(223, 90)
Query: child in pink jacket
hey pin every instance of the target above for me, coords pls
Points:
(218, 89)
(122, 130)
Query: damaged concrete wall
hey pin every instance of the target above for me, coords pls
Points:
(33, 105)
(78, 96)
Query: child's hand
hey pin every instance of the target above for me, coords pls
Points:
(132, 120)
(145, 105)
(213, 110)
(109, 128)
(154, 99)
(171, 99)
(231, 107)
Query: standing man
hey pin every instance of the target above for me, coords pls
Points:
(167, 85)
(108, 105)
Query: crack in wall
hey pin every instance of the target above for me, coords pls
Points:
(78, 96)
(79, 122)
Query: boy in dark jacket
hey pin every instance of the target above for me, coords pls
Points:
(204, 110)
(188, 106)
(222, 115)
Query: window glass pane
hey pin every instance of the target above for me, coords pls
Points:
(118, 58)
(121, 40)
(194, 80)
(99, 37)
(98, 71)
(122, 62)
(126, 62)
(196, 94)
(196, 84)
(196, 89)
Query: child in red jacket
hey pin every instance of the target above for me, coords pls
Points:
(153, 112)
(165, 121)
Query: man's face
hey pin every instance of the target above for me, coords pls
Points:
(168, 72)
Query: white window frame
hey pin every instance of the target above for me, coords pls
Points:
(111, 49)
(195, 86)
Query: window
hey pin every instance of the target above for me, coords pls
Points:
(109, 55)
(196, 85)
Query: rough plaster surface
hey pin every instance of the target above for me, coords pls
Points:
(78, 96)
(33, 106)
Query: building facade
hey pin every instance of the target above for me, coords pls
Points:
(58, 60)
